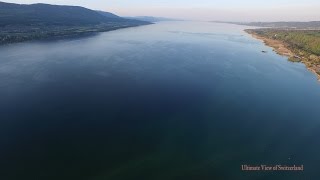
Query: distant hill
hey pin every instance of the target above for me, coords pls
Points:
(45, 14)
(151, 19)
(40, 21)
(291, 25)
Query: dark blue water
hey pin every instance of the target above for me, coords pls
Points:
(174, 100)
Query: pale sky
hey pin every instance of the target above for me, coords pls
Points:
(226, 10)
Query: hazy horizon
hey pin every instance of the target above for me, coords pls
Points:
(206, 10)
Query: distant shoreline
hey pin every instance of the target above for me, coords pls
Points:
(283, 49)
(44, 33)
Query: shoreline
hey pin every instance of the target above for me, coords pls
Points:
(61, 33)
(282, 49)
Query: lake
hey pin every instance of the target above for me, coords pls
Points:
(172, 100)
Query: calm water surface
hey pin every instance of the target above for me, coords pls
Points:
(174, 100)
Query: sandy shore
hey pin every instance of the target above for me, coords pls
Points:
(282, 49)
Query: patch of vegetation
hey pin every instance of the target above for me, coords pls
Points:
(307, 40)
(305, 44)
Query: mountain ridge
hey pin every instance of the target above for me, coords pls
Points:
(40, 13)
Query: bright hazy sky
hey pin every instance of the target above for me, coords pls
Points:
(227, 10)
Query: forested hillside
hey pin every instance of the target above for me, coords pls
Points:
(37, 21)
